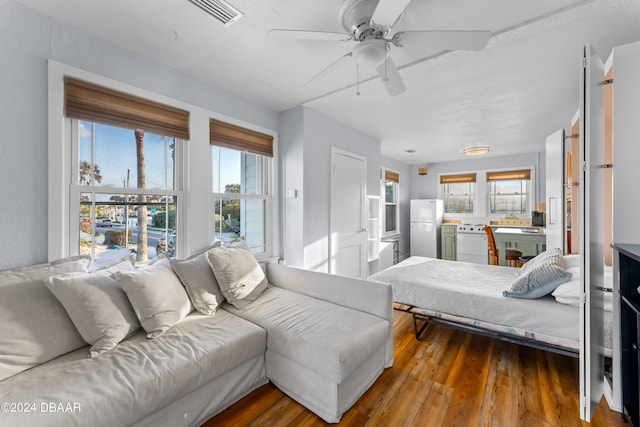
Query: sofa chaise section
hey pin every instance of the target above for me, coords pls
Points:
(327, 336)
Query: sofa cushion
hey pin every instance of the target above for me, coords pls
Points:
(199, 281)
(157, 296)
(34, 326)
(97, 306)
(238, 273)
(139, 376)
(326, 338)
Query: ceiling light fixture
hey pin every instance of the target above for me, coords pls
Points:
(371, 52)
(475, 151)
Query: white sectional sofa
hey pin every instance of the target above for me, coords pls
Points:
(321, 339)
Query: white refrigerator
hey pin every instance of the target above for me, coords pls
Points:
(425, 222)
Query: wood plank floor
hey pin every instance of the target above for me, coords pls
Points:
(451, 378)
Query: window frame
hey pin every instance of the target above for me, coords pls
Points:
(76, 189)
(396, 203)
(266, 195)
(476, 182)
(530, 195)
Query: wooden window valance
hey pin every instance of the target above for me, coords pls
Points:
(238, 138)
(87, 101)
(459, 178)
(509, 175)
(392, 177)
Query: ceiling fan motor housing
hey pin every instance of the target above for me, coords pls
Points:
(355, 18)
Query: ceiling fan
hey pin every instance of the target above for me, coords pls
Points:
(370, 24)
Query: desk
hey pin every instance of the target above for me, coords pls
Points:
(504, 235)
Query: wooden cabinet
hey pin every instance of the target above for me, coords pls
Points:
(448, 241)
(629, 266)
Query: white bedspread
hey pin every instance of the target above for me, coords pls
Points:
(475, 291)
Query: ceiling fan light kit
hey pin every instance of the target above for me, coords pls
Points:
(371, 52)
(476, 151)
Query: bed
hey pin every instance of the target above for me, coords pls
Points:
(470, 296)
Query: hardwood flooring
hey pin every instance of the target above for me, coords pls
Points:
(450, 378)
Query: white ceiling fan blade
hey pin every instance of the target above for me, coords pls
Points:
(391, 77)
(306, 35)
(387, 12)
(327, 70)
(443, 39)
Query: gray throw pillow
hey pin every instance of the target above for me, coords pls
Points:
(238, 273)
(97, 306)
(156, 295)
(199, 281)
(538, 281)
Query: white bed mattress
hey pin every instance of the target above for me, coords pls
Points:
(474, 291)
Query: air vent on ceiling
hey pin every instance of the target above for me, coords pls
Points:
(222, 11)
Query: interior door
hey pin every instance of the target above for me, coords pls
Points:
(592, 232)
(555, 190)
(348, 243)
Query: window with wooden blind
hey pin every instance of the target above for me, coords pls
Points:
(391, 191)
(459, 193)
(509, 192)
(126, 182)
(242, 165)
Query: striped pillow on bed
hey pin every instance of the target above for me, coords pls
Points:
(541, 277)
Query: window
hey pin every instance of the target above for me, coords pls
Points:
(509, 192)
(391, 193)
(458, 193)
(125, 180)
(241, 160)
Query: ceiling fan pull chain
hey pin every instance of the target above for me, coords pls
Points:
(357, 79)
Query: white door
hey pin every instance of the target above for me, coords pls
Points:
(592, 233)
(555, 190)
(348, 241)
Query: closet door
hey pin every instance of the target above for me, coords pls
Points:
(592, 232)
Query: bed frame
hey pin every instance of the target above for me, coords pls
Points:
(515, 339)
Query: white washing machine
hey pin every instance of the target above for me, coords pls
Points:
(471, 244)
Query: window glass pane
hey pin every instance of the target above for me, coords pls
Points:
(241, 218)
(116, 157)
(105, 220)
(236, 171)
(509, 197)
(390, 218)
(389, 191)
(459, 197)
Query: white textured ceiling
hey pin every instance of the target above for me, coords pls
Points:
(522, 87)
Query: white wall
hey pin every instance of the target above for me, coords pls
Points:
(305, 164)
(626, 145)
(29, 39)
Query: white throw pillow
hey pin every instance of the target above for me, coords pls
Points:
(569, 292)
(199, 281)
(97, 306)
(157, 296)
(34, 326)
(238, 273)
(572, 260)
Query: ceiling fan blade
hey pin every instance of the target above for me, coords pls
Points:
(306, 35)
(443, 39)
(387, 12)
(391, 77)
(327, 70)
